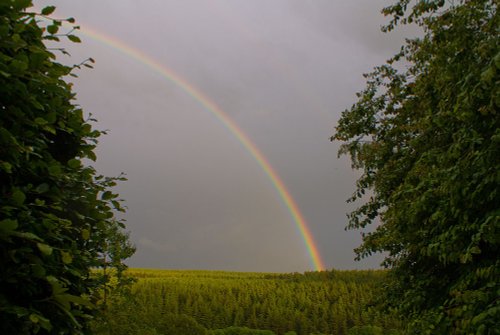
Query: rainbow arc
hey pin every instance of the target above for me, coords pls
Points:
(210, 106)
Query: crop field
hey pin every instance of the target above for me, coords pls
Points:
(328, 302)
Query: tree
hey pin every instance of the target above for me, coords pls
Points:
(57, 215)
(427, 139)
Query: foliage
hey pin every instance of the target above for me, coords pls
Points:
(427, 140)
(365, 330)
(180, 324)
(56, 214)
(240, 331)
(328, 302)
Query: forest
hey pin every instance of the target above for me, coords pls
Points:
(218, 302)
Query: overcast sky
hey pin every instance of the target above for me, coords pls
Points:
(283, 70)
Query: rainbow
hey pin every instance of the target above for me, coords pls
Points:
(209, 105)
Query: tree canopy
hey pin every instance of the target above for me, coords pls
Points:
(57, 215)
(425, 133)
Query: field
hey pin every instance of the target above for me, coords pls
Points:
(200, 302)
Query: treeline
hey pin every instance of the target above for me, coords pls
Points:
(329, 302)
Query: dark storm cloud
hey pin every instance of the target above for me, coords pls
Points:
(283, 70)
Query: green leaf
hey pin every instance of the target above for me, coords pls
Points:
(52, 38)
(18, 196)
(54, 170)
(48, 10)
(6, 166)
(42, 188)
(117, 206)
(107, 195)
(40, 121)
(27, 236)
(74, 38)
(66, 257)
(74, 163)
(475, 250)
(34, 318)
(45, 249)
(92, 156)
(86, 128)
(5, 74)
(53, 29)
(45, 323)
(78, 300)
(85, 234)
(488, 74)
(7, 226)
(39, 106)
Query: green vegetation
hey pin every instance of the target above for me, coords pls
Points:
(240, 331)
(426, 137)
(428, 141)
(56, 214)
(330, 302)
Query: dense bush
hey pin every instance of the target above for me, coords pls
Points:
(56, 214)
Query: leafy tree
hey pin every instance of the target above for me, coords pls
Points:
(57, 217)
(427, 139)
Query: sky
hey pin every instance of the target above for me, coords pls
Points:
(281, 70)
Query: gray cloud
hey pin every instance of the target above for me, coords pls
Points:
(282, 70)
